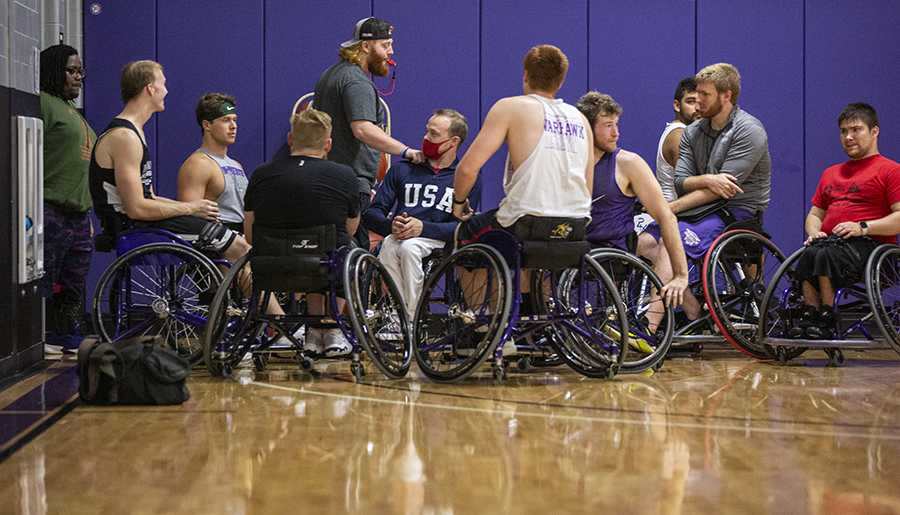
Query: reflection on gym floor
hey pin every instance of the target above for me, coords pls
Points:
(715, 432)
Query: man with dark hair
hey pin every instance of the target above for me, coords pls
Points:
(724, 155)
(68, 141)
(423, 196)
(121, 174)
(209, 173)
(620, 178)
(348, 95)
(306, 190)
(685, 105)
(856, 207)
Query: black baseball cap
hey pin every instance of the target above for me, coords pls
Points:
(368, 29)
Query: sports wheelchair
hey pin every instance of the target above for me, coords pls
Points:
(158, 285)
(284, 265)
(472, 308)
(635, 283)
(863, 311)
(732, 278)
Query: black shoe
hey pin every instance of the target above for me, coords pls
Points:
(808, 318)
(823, 329)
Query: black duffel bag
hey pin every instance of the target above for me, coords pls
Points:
(131, 371)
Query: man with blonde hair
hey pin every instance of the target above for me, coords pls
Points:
(724, 155)
(306, 190)
(348, 95)
(121, 174)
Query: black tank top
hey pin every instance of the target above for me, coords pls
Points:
(102, 181)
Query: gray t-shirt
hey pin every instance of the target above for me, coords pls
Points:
(346, 93)
(740, 149)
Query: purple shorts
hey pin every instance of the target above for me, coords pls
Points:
(697, 237)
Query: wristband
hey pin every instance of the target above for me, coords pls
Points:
(862, 225)
(458, 201)
(403, 152)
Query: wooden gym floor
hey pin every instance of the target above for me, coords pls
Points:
(716, 432)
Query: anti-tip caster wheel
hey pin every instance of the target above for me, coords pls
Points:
(835, 356)
(782, 355)
(306, 363)
(227, 370)
(612, 371)
(499, 375)
(658, 365)
(260, 361)
(358, 371)
(524, 364)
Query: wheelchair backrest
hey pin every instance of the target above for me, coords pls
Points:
(551, 243)
(292, 260)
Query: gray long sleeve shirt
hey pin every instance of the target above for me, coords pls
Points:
(740, 149)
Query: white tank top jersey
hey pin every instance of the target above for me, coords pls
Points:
(551, 181)
(665, 173)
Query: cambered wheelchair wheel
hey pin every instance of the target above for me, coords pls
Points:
(462, 314)
(158, 289)
(780, 310)
(883, 291)
(595, 343)
(738, 267)
(234, 326)
(636, 281)
(378, 314)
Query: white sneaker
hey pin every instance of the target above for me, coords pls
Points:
(391, 330)
(313, 343)
(335, 344)
(509, 348)
(284, 341)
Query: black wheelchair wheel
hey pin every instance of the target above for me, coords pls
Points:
(780, 310)
(462, 314)
(637, 283)
(233, 326)
(158, 289)
(738, 268)
(378, 314)
(883, 291)
(595, 343)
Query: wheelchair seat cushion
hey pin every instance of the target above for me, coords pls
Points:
(548, 228)
(553, 256)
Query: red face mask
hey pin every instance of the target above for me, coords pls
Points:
(430, 150)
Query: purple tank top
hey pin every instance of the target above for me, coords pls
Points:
(612, 212)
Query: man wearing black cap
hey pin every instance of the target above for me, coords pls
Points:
(348, 95)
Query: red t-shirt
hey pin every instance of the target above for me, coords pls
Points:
(859, 191)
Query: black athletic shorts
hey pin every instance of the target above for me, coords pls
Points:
(840, 260)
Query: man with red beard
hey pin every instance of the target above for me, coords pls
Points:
(348, 95)
(724, 155)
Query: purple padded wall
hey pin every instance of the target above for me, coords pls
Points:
(509, 30)
(437, 65)
(639, 52)
(849, 59)
(764, 40)
(300, 43)
(205, 48)
(120, 33)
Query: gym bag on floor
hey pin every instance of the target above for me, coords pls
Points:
(131, 371)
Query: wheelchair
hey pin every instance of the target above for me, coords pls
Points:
(732, 278)
(158, 285)
(283, 266)
(472, 308)
(863, 311)
(635, 282)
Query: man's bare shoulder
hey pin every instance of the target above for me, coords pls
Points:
(119, 136)
(629, 159)
(198, 161)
